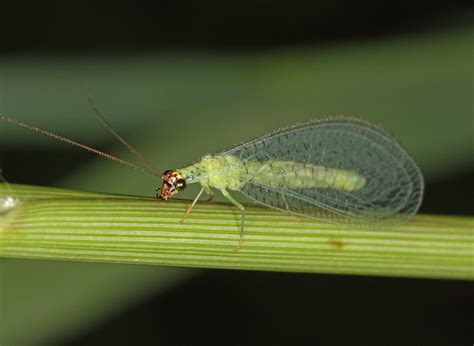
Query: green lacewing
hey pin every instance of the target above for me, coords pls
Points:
(340, 170)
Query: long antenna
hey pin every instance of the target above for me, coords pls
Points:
(15, 121)
(109, 127)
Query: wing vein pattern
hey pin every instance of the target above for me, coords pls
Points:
(342, 170)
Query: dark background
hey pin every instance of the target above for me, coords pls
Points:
(90, 27)
(238, 307)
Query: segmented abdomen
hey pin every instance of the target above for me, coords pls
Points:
(288, 174)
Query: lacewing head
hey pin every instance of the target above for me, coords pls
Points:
(173, 182)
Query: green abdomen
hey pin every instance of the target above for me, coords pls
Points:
(290, 174)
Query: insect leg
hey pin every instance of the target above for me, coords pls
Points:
(210, 194)
(191, 207)
(242, 209)
(287, 207)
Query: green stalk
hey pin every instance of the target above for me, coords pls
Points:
(58, 224)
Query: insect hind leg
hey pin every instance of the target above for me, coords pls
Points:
(287, 208)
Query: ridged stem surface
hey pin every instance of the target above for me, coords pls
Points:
(60, 224)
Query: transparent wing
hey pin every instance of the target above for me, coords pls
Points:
(394, 185)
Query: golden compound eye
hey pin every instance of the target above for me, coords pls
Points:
(180, 184)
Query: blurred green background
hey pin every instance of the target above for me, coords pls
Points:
(182, 80)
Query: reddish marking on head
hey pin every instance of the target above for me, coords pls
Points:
(173, 182)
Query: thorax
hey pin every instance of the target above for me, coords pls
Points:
(217, 171)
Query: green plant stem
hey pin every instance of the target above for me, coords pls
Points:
(68, 225)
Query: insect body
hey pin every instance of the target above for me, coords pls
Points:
(228, 172)
(341, 170)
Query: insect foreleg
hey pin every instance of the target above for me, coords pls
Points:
(192, 205)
